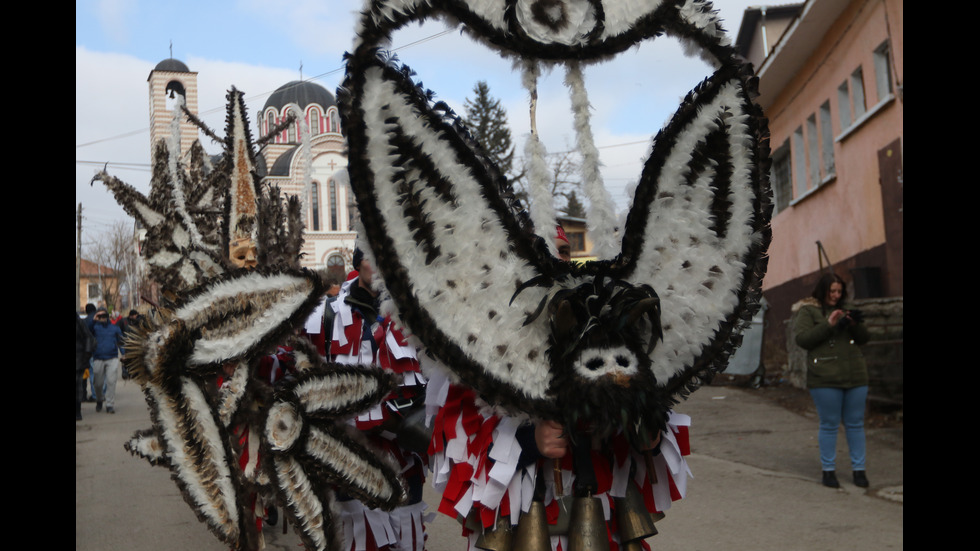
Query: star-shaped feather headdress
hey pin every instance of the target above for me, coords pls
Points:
(217, 315)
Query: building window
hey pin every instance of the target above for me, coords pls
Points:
(333, 206)
(883, 73)
(333, 120)
(94, 293)
(826, 140)
(335, 265)
(799, 162)
(270, 121)
(291, 132)
(315, 202)
(850, 99)
(174, 89)
(782, 180)
(844, 106)
(813, 152)
(314, 121)
(857, 93)
(577, 241)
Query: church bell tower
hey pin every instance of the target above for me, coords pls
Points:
(169, 80)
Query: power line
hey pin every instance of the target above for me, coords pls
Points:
(265, 94)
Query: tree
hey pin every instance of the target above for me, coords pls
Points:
(574, 207)
(487, 122)
(116, 249)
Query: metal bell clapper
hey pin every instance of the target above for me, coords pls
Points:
(501, 538)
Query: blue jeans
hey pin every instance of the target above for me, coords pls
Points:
(836, 406)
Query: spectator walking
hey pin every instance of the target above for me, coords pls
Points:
(105, 360)
(84, 346)
(90, 381)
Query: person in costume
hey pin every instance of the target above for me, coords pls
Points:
(271, 369)
(837, 375)
(362, 336)
(562, 245)
(492, 467)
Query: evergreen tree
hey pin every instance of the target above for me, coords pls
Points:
(574, 207)
(487, 122)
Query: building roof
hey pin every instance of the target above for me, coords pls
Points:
(302, 93)
(281, 166)
(753, 15)
(796, 45)
(172, 65)
(88, 268)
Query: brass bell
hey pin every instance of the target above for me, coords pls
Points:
(501, 538)
(635, 522)
(532, 530)
(635, 545)
(560, 527)
(587, 530)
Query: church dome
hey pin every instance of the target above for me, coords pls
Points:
(302, 93)
(172, 65)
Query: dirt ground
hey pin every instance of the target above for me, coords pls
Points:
(878, 415)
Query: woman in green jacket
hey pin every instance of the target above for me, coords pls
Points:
(837, 376)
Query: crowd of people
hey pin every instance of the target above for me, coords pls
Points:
(99, 347)
(493, 469)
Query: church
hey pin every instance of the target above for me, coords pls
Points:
(329, 235)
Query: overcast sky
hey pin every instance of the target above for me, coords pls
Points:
(257, 46)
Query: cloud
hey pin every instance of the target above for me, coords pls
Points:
(112, 118)
(632, 96)
(112, 16)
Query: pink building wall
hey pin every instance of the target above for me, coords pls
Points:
(856, 215)
(846, 213)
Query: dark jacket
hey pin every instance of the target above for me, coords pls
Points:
(84, 345)
(833, 356)
(108, 340)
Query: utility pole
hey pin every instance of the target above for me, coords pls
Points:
(78, 260)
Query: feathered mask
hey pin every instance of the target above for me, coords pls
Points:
(225, 250)
(472, 278)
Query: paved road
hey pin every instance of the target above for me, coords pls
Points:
(755, 487)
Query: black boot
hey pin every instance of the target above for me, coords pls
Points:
(860, 479)
(830, 479)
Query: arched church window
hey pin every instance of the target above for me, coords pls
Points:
(270, 120)
(315, 203)
(174, 88)
(335, 266)
(314, 121)
(333, 206)
(291, 132)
